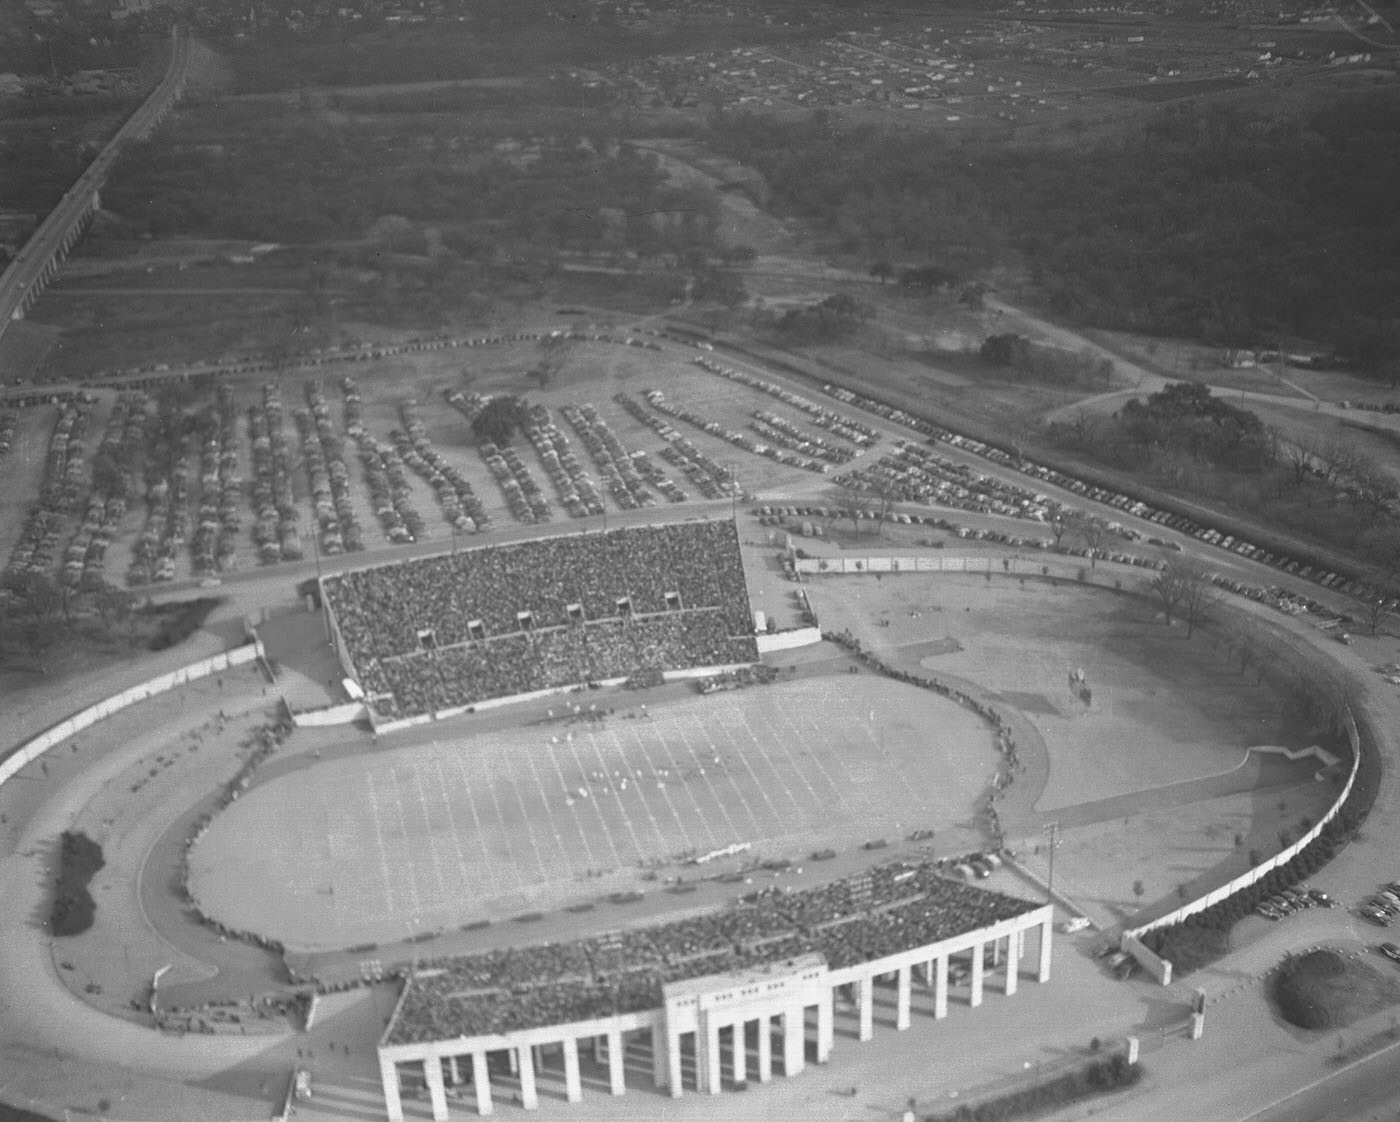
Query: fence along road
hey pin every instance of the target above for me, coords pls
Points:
(38, 260)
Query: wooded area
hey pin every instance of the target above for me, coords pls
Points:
(296, 180)
(1235, 226)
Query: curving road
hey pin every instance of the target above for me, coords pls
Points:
(38, 261)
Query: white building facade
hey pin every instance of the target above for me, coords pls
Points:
(734, 1028)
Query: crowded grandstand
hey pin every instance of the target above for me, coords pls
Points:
(861, 918)
(448, 632)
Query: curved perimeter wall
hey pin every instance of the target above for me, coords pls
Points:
(1160, 968)
(1131, 942)
(32, 749)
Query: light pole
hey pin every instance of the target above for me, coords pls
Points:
(1053, 830)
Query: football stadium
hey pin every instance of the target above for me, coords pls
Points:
(430, 639)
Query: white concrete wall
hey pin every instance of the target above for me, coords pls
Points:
(32, 749)
(331, 715)
(789, 640)
(1260, 871)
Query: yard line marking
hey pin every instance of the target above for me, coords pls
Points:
(643, 794)
(433, 840)
(759, 785)
(768, 758)
(485, 859)
(705, 775)
(702, 820)
(760, 830)
(512, 861)
(592, 799)
(387, 894)
(799, 737)
(638, 848)
(573, 810)
(525, 826)
(566, 858)
(445, 786)
(406, 860)
(665, 792)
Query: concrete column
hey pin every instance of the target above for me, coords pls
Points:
(976, 998)
(673, 1063)
(617, 1054)
(658, 1055)
(573, 1088)
(454, 1072)
(826, 1025)
(437, 1095)
(529, 1097)
(481, 1080)
(866, 997)
(741, 1056)
(940, 992)
(389, 1077)
(1044, 974)
(928, 974)
(710, 1082)
(996, 952)
(765, 1049)
(794, 1041)
(1013, 966)
(599, 1049)
(901, 1008)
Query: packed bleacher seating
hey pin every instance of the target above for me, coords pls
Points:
(862, 918)
(442, 632)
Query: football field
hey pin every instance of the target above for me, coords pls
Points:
(440, 833)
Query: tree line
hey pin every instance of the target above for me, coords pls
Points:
(1232, 225)
(1322, 488)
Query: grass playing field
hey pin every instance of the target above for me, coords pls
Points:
(438, 833)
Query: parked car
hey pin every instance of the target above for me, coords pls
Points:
(1390, 950)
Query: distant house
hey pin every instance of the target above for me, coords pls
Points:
(1238, 359)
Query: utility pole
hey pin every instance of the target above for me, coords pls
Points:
(1052, 829)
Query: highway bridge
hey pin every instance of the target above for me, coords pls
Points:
(39, 259)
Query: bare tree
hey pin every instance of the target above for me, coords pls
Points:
(1376, 611)
(1183, 588)
(1302, 455)
(1198, 594)
(883, 492)
(1371, 486)
(1090, 531)
(1336, 457)
(1061, 521)
(854, 503)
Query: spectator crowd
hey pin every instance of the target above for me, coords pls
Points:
(441, 632)
(869, 916)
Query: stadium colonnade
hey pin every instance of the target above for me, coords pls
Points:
(704, 1024)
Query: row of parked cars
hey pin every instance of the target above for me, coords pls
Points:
(1290, 900)
(1384, 906)
(1126, 503)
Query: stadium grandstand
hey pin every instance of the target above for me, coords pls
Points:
(438, 635)
(700, 986)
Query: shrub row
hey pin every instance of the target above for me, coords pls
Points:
(1111, 1073)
